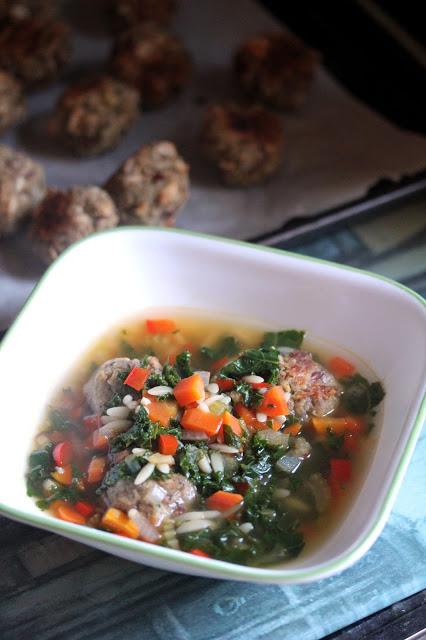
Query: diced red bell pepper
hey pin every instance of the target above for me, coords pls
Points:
(225, 384)
(200, 553)
(62, 453)
(85, 508)
(92, 422)
(340, 470)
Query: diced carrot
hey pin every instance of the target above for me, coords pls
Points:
(63, 475)
(225, 384)
(162, 411)
(200, 553)
(198, 420)
(118, 522)
(137, 378)
(160, 326)
(85, 508)
(274, 402)
(218, 364)
(354, 424)
(65, 511)
(99, 441)
(293, 429)
(340, 470)
(233, 422)
(223, 500)
(62, 453)
(92, 422)
(275, 425)
(244, 413)
(189, 390)
(340, 367)
(168, 444)
(96, 470)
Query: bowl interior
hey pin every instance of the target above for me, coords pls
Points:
(116, 275)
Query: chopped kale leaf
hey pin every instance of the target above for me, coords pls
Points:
(288, 338)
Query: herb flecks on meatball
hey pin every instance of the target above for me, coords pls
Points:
(92, 115)
(153, 61)
(35, 50)
(127, 13)
(12, 101)
(22, 186)
(244, 142)
(277, 69)
(150, 186)
(64, 217)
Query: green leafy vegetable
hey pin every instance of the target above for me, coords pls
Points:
(40, 465)
(187, 464)
(262, 362)
(59, 421)
(171, 375)
(183, 364)
(359, 395)
(115, 401)
(250, 397)
(227, 346)
(288, 338)
(142, 433)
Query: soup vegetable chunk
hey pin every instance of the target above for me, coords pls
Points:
(239, 450)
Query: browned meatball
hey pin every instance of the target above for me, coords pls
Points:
(153, 61)
(35, 50)
(64, 217)
(275, 68)
(127, 13)
(92, 115)
(106, 380)
(151, 185)
(22, 186)
(156, 500)
(12, 101)
(244, 142)
(17, 10)
(313, 389)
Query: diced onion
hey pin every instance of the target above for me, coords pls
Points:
(193, 525)
(146, 530)
(205, 376)
(193, 435)
(288, 463)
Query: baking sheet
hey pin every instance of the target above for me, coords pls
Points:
(336, 148)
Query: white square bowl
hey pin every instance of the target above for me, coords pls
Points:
(118, 274)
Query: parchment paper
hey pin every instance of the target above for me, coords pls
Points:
(336, 147)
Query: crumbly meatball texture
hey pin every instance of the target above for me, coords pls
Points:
(106, 380)
(277, 69)
(92, 115)
(12, 101)
(22, 186)
(64, 217)
(313, 389)
(151, 185)
(35, 50)
(156, 500)
(153, 61)
(127, 13)
(244, 142)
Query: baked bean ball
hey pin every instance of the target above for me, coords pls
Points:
(63, 217)
(22, 186)
(151, 185)
(153, 61)
(92, 115)
(276, 69)
(12, 101)
(244, 142)
(35, 50)
(127, 13)
(16, 10)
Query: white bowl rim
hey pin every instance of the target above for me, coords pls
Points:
(218, 568)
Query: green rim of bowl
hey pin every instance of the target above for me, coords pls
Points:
(212, 566)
